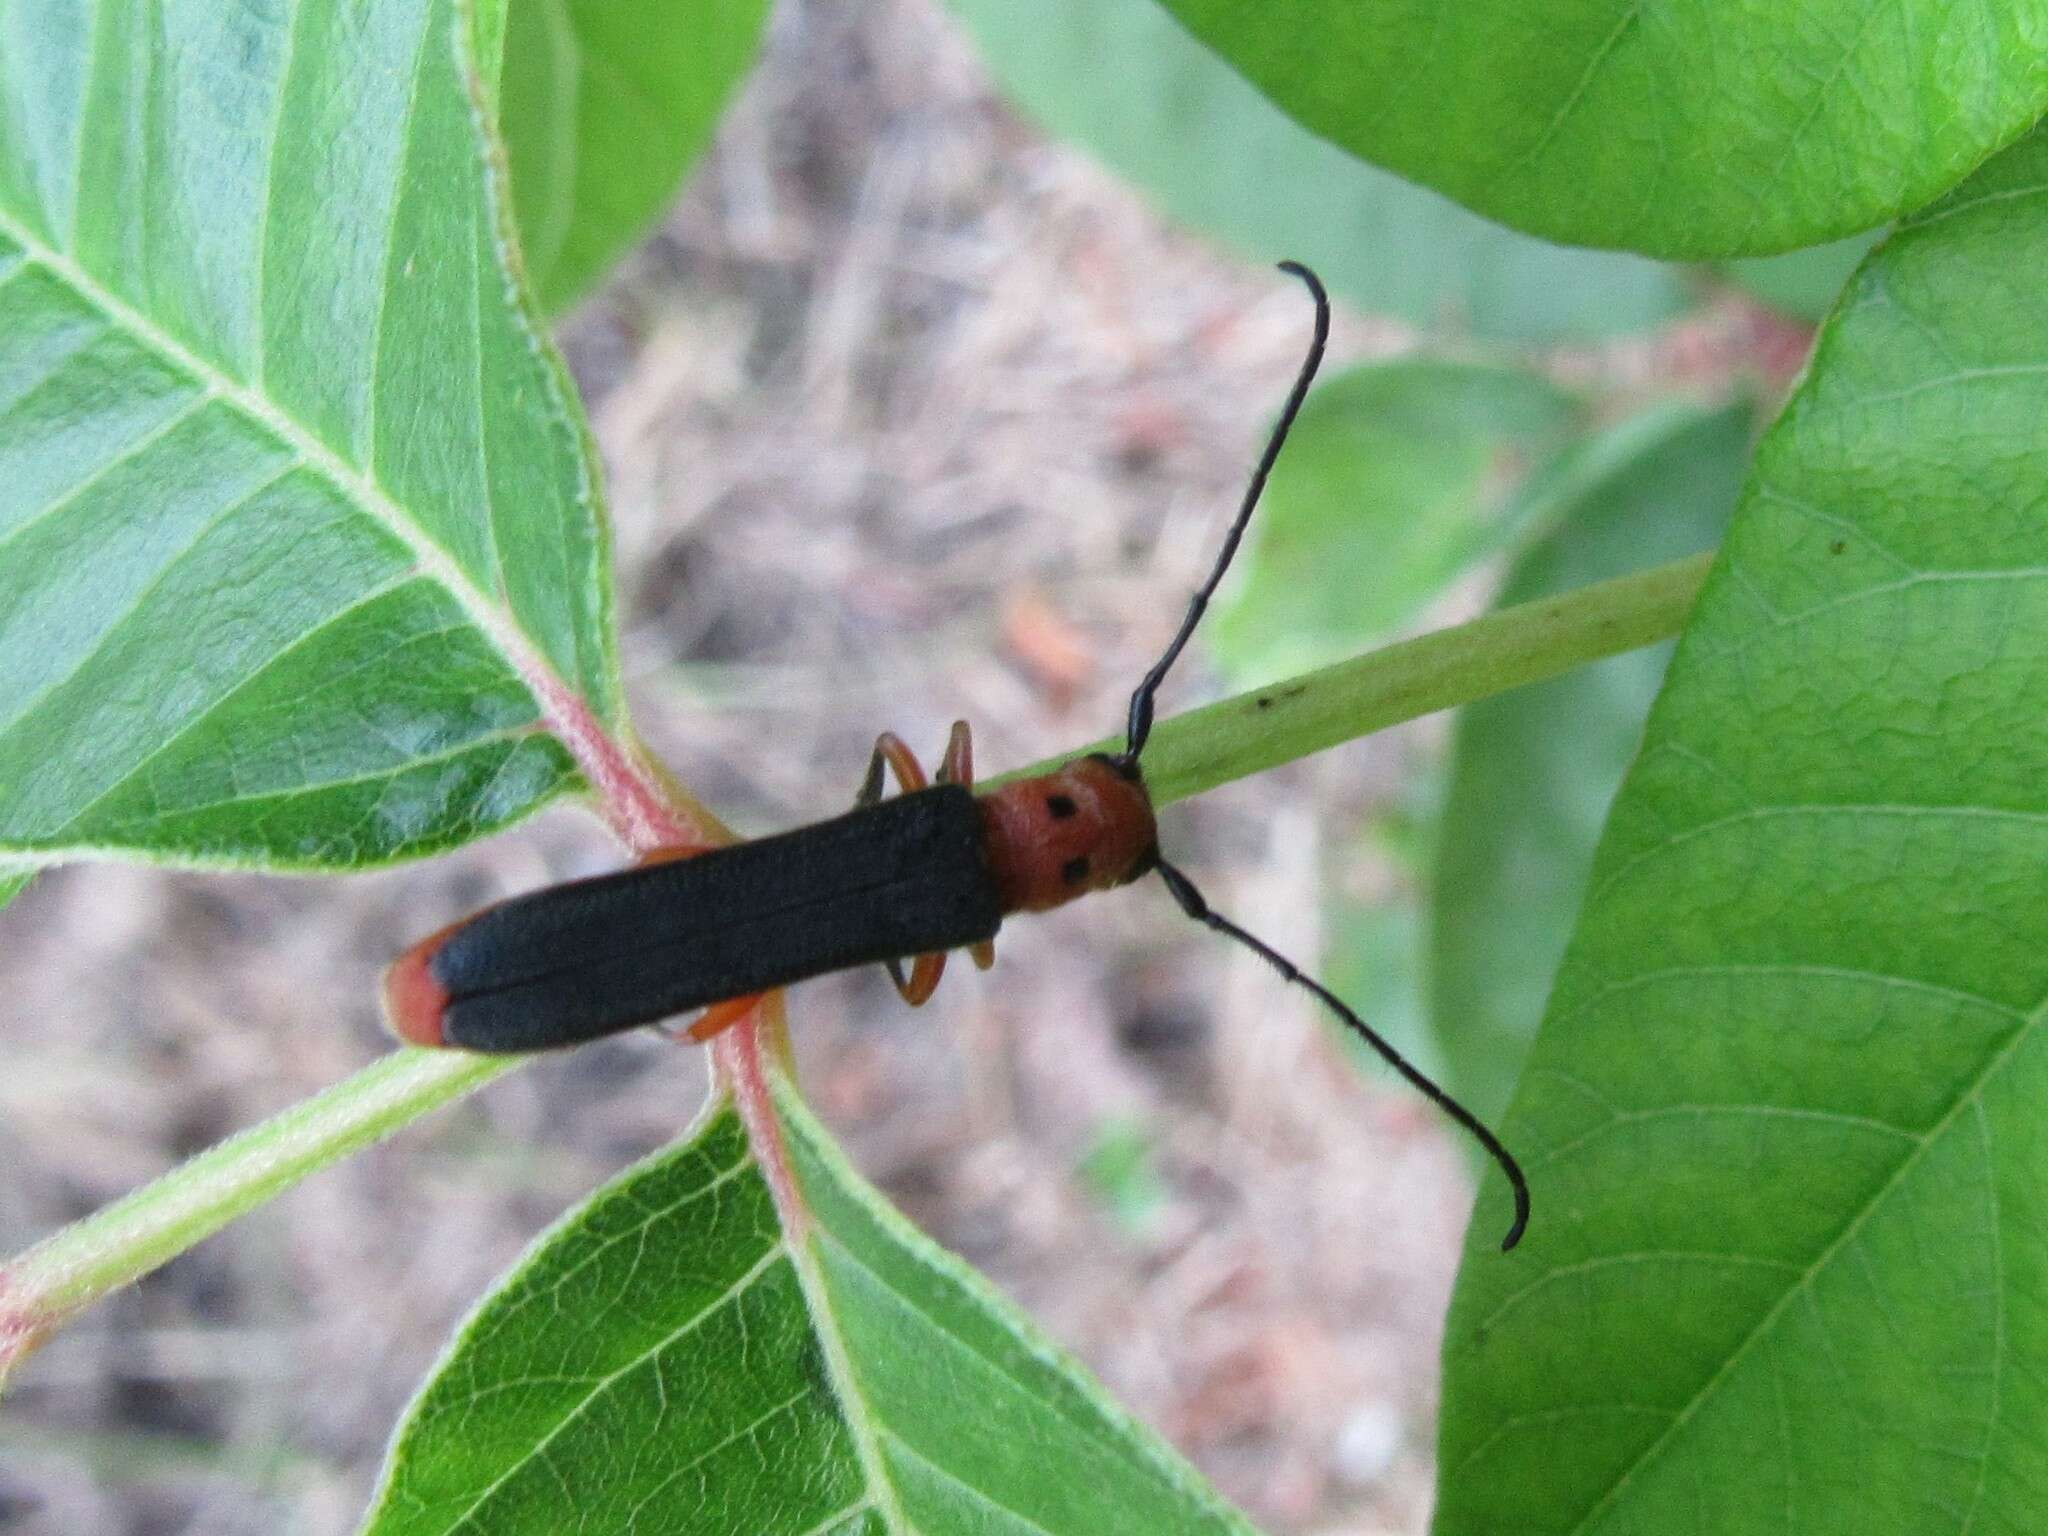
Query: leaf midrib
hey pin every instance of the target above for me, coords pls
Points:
(862, 1422)
(359, 488)
(1970, 1094)
(1134, 1453)
(1794, 809)
(1131, 1456)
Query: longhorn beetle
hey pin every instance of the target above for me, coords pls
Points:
(936, 868)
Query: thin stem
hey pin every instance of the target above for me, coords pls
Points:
(1529, 643)
(1188, 754)
(129, 1238)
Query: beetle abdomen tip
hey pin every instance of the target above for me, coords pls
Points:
(415, 1004)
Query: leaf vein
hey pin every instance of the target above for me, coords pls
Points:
(1950, 380)
(1983, 1455)
(106, 635)
(1621, 1118)
(1803, 1286)
(393, 772)
(1817, 810)
(1630, 1260)
(698, 1460)
(1885, 979)
(99, 472)
(640, 1228)
(267, 196)
(1594, 64)
(400, 163)
(263, 665)
(838, 1516)
(730, 1296)
(905, 1448)
(356, 486)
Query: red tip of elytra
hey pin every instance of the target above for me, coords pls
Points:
(414, 1001)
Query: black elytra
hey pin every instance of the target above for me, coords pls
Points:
(577, 961)
(935, 869)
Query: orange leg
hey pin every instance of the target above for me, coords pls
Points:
(668, 855)
(889, 748)
(958, 768)
(923, 981)
(720, 1017)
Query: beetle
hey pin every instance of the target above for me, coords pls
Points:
(935, 868)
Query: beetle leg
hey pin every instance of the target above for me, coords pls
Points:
(909, 771)
(926, 971)
(870, 789)
(957, 766)
(720, 1017)
(923, 980)
(667, 855)
(889, 748)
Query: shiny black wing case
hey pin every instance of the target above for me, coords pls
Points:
(572, 962)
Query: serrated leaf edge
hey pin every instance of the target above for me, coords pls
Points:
(789, 1104)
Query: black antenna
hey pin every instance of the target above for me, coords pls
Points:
(1196, 906)
(1140, 723)
(1191, 900)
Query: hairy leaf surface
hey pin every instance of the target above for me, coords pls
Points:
(295, 508)
(673, 1358)
(1783, 1118)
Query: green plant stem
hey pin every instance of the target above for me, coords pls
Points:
(1188, 754)
(129, 1238)
(1529, 643)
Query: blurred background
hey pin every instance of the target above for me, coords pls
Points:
(930, 398)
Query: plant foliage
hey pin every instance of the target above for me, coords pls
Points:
(303, 566)
(1784, 1105)
(844, 1376)
(1690, 130)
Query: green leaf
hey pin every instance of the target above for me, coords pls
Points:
(1804, 283)
(605, 108)
(1678, 131)
(1394, 481)
(296, 512)
(1786, 1270)
(1532, 772)
(1194, 134)
(671, 1358)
